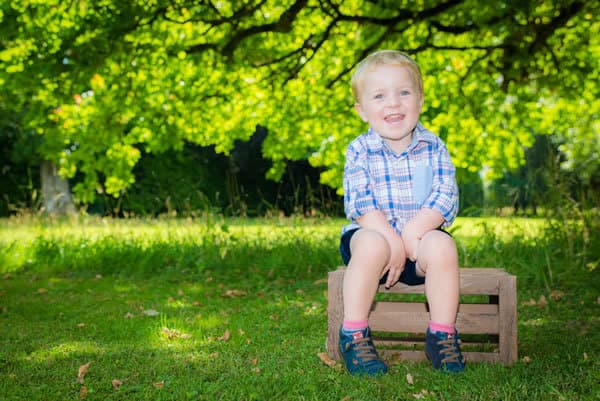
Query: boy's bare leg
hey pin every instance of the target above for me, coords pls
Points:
(370, 253)
(438, 259)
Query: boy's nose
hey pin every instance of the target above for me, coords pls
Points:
(394, 100)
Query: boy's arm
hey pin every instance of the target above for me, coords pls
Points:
(440, 208)
(360, 205)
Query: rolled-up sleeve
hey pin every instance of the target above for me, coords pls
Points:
(444, 194)
(359, 198)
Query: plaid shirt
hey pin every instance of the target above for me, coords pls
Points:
(376, 178)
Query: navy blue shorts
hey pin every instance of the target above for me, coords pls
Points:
(409, 274)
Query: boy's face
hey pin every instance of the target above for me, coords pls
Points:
(390, 102)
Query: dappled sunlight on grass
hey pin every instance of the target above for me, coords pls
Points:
(63, 350)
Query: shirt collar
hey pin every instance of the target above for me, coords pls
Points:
(375, 143)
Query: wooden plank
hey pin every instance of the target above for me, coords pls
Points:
(508, 320)
(473, 281)
(335, 312)
(413, 317)
(403, 355)
(407, 345)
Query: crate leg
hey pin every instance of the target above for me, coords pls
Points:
(508, 320)
(335, 312)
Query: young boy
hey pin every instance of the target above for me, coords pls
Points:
(400, 189)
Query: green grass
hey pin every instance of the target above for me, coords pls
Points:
(241, 312)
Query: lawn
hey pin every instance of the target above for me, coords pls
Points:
(235, 309)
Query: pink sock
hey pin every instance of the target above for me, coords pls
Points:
(355, 325)
(444, 328)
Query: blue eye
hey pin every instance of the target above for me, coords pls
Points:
(404, 93)
(378, 96)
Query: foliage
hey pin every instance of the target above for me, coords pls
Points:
(103, 81)
(204, 309)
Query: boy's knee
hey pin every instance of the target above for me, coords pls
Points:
(438, 243)
(370, 244)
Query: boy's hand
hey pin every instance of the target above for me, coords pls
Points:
(396, 263)
(411, 241)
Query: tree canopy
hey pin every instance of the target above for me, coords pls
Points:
(90, 85)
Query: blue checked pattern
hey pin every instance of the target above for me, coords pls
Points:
(376, 178)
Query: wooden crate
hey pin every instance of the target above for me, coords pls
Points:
(488, 329)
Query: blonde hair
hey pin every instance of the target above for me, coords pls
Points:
(386, 57)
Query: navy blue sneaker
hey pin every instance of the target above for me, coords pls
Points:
(359, 353)
(443, 350)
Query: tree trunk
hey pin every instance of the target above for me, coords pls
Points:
(56, 194)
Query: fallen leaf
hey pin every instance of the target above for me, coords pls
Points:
(98, 277)
(256, 370)
(542, 301)
(159, 384)
(226, 336)
(254, 361)
(116, 383)
(585, 356)
(531, 302)
(128, 315)
(526, 360)
(81, 325)
(556, 295)
(409, 379)
(174, 333)
(42, 291)
(234, 293)
(598, 300)
(321, 281)
(83, 392)
(82, 372)
(151, 312)
(326, 359)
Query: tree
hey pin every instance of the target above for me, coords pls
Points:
(100, 80)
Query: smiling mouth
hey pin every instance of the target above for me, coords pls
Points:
(394, 118)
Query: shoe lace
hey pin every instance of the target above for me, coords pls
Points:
(449, 349)
(365, 349)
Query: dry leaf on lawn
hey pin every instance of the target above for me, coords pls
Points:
(83, 392)
(42, 291)
(82, 372)
(409, 379)
(226, 336)
(116, 383)
(326, 359)
(151, 312)
(542, 301)
(234, 293)
(526, 360)
(159, 384)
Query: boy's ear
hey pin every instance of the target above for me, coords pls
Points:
(360, 112)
